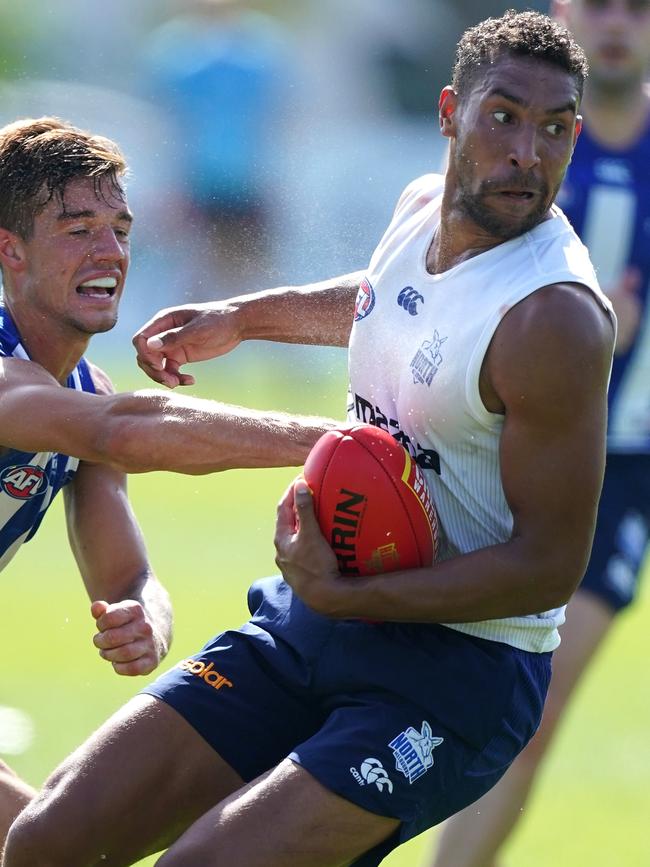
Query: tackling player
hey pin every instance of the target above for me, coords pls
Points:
(64, 254)
(64, 229)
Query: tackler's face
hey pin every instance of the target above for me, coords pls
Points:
(77, 257)
(512, 135)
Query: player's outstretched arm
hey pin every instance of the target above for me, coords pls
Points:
(547, 371)
(316, 314)
(155, 430)
(131, 608)
(148, 430)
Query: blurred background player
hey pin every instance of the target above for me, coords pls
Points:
(217, 68)
(606, 195)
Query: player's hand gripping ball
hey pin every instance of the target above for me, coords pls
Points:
(371, 501)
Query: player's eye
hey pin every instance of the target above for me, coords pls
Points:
(502, 116)
(555, 129)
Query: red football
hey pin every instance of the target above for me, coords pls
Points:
(371, 501)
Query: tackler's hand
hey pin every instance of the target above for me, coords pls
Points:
(126, 638)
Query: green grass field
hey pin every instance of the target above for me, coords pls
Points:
(208, 537)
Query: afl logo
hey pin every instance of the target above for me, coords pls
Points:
(365, 300)
(22, 482)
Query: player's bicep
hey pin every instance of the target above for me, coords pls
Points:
(24, 386)
(38, 414)
(104, 533)
(552, 476)
(551, 374)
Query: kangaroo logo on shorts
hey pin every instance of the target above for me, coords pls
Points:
(22, 482)
(365, 300)
(413, 751)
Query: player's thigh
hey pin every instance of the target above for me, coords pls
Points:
(131, 789)
(285, 818)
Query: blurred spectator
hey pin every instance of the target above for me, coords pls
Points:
(218, 67)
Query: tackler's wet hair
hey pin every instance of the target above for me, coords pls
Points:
(38, 159)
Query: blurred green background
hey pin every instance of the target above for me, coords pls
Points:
(208, 538)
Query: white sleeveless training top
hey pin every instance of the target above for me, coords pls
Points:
(416, 350)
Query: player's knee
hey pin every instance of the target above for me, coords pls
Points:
(36, 839)
(23, 845)
(15, 794)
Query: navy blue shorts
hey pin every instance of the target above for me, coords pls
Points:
(411, 721)
(622, 530)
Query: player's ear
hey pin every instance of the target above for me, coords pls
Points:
(447, 111)
(578, 129)
(12, 250)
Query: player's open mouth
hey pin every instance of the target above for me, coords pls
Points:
(98, 287)
(517, 194)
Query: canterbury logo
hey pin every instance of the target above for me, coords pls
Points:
(207, 673)
(408, 299)
(372, 771)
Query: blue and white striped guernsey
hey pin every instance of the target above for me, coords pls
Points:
(606, 197)
(416, 350)
(28, 481)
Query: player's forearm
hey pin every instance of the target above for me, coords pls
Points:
(155, 430)
(505, 580)
(315, 314)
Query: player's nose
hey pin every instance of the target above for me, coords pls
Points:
(108, 247)
(523, 149)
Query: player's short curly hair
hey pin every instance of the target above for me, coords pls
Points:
(39, 157)
(526, 33)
